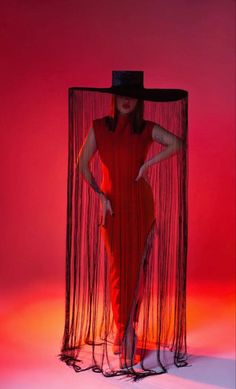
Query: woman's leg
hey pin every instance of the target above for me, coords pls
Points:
(126, 247)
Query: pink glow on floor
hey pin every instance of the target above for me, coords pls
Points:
(32, 326)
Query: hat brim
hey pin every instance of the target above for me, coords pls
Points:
(159, 95)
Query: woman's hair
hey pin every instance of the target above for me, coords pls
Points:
(137, 116)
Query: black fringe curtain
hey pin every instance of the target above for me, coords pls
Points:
(90, 328)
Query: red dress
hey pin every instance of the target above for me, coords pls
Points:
(125, 233)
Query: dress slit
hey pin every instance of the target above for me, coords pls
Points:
(141, 277)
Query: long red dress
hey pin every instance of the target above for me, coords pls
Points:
(125, 233)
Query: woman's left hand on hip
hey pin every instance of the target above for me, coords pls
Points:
(142, 172)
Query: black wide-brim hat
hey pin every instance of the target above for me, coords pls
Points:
(130, 83)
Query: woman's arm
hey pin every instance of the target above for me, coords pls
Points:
(173, 143)
(160, 135)
(86, 153)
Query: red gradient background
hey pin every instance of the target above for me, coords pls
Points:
(48, 46)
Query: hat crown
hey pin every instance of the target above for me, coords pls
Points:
(127, 78)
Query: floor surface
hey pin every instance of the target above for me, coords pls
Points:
(31, 328)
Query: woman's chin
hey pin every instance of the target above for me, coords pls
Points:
(125, 112)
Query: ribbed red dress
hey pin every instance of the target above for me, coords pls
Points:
(125, 233)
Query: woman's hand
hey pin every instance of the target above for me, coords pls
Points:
(142, 172)
(106, 206)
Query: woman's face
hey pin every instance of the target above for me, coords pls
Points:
(125, 105)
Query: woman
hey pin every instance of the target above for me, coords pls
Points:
(127, 206)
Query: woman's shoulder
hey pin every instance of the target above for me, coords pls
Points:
(100, 122)
(149, 124)
(100, 129)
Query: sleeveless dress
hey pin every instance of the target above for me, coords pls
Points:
(125, 233)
